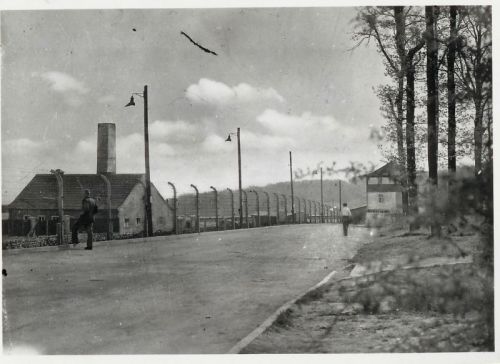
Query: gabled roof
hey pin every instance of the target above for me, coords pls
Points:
(41, 191)
(390, 169)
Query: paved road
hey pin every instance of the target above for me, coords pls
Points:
(188, 294)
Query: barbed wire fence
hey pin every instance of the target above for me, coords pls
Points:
(196, 212)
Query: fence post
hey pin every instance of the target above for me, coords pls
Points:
(246, 207)
(300, 220)
(60, 206)
(305, 210)
(109, 232)
(232, 209)
(175, 207)
(268, 209)
(197, 209)
(315, 212)
(277, 208)
(258, 207)
(216, 209)
(286, 210)
(310, 212)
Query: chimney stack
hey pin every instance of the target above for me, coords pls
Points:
(106, 148)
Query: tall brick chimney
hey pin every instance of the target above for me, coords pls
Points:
(106, 148)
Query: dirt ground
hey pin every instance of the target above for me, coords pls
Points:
(432, 309)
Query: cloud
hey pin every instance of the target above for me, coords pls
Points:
(21, 146)
(86, 147)
(62, 82)
(106, 99)
(293, 124)
(173, 131)
(265, 142)
(216, 93)
(216, 144)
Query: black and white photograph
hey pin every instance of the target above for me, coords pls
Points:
(248, 178)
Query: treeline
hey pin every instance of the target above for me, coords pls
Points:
(438, 101)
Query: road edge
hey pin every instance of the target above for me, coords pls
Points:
(236, 349)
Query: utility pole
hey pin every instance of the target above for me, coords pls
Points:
(291, 187)
(322, 208)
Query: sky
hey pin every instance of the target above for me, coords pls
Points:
(288, 77)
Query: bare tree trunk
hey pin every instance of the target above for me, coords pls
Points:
(400, 38)
(432, 109)
(478, 137)
(452, 49)
(410, 133)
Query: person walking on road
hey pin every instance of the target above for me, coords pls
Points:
(346, 217)
(85, 221)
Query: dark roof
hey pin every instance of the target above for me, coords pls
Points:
(390, 169)
(41, 191)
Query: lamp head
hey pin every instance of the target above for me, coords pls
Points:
(131, 102)
(228, 138)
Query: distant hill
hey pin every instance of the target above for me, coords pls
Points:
(353, 194)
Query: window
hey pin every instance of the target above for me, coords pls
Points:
(26, 217)
(373, 180)
(381, 198)
(386, 180)
(41, 217)
(126, 222)
(54, 218)
(138, 220)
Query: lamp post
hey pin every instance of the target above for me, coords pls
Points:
(149, 216)
(239, 172)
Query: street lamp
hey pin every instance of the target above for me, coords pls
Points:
(239, 172)
(149, 216)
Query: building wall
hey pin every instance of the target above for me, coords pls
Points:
(392, 201)
(132, 212)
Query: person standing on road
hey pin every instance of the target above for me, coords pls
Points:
(85, 221)
(346, 217)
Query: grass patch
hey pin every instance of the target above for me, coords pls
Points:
(313, 295)
(284, 319)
